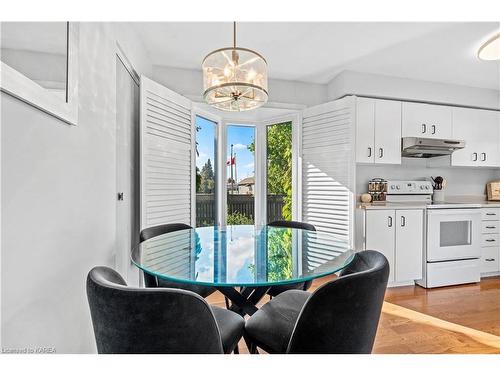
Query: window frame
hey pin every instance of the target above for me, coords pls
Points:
(260, 194)
(200, 112)
(295, 119)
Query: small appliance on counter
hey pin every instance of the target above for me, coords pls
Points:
(493, 189)
(377, 188)
(438, 183)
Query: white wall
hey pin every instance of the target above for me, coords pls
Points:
(460, 180)
(190, 83)
(58, 201)
(375, 85)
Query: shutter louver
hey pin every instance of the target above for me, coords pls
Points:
(328, 170)
(166, 152)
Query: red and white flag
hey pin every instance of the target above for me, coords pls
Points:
(231, 161)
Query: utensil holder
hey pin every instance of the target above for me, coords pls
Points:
(438, 196)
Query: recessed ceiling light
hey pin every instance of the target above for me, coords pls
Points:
(491, 49)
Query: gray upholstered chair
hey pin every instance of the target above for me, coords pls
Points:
(275, 290)
(339, 317)
(159, 320)
(151, 281)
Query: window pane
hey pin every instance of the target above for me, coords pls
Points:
(206, 207)
(279, 172)
(241, 174)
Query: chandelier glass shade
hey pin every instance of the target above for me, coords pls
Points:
(235, 79)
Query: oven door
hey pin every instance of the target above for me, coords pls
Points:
(453, 234)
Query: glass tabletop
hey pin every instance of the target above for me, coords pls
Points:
(242, 255)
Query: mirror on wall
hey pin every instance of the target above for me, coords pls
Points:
(39, 65)
(38, 50)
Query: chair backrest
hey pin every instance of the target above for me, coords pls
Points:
(158, 230)
(342, 316)
(142, 320)
(151, 281)
(292, 224)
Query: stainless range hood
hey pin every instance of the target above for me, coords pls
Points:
(413, 147)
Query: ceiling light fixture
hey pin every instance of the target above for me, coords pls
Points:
(491, 49)
(235, 78)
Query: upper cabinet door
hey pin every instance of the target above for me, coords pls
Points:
(388, 131)
(480, 131)
(365, 130)
(426, 121)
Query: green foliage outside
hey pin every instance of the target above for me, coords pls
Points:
(279, 182)
(207, 179)
(237, 218)
(279, 164)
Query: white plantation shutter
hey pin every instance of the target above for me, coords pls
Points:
(166, 156)
(328, 169)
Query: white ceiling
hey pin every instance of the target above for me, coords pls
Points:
(317, 52)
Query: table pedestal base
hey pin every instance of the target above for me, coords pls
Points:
(245, 300)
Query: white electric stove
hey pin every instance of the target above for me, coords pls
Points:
(453, 235)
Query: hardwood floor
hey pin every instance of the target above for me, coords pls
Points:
(459, 319)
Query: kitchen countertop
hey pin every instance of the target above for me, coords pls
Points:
(392, 206)
(480, 200)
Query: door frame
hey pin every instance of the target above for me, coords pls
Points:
(122, 260)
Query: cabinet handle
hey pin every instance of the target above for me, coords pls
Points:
(490, 259)
(490, 240)
(389, 221)
(433, 129)
(403, 221)
(491, 214)
(490, 227)
(474, 156)
(369, 152)
(424, 128)
(380, 153)
(483, 156)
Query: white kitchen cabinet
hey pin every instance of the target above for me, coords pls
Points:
(490, 240)
(398, 234)
(378, 131)
(409, 244)
(380, 234)
(365, 130)
(426, 120)
(480, 131)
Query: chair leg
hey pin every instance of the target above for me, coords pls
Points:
(227, 302)
(252, 348)
(236, 349)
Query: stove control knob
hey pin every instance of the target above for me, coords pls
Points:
(392, 187)
(426, 187)
(398, 187)
(422, 187)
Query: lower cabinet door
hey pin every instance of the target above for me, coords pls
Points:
(380, 234)
(409, 245)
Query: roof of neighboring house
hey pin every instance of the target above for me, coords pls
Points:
(247, 181)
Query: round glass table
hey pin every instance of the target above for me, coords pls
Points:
(249, 257)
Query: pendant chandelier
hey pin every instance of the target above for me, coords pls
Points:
(235, 78)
